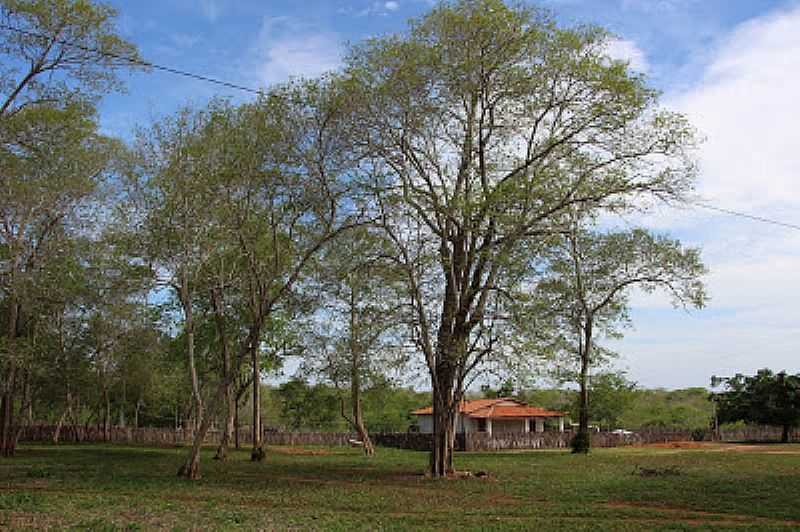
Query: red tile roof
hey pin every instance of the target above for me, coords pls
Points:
(503, 407)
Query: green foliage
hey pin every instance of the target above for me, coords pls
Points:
(766, 398)
(688, 409)
(305, 407)
(388, 408)
(506, 389)
(318, 407)
(610, 396)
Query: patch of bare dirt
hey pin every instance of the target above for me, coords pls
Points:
(724, 447)
(283, 449)
(700, 517)
(678, 445)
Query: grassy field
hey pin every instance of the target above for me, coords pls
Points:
(125, 488)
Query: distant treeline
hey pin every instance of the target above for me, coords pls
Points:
(297, 405)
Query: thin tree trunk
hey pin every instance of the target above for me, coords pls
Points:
(107, 416)
(191, 468)
(582, 441)
(188, 314)
(222, 450)
(7, 446)
(27, 400)
(785, 434)
(136, 413)
(122, 406)
(63, 418)
(357, 421)
(76, 413)
(236, 424)
(258, 451)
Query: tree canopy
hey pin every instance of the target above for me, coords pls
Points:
(767, 398)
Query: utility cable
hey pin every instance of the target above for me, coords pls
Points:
(207, 79)
(748, 216)
(134, 60)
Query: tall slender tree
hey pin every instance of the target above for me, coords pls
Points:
(589, 278)
(360, 334)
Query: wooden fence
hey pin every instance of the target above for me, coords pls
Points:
(405, 440)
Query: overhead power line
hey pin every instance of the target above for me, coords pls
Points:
(748, 216)
(134, 60)
(235, 86)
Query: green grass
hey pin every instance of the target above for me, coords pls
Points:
(125, 488)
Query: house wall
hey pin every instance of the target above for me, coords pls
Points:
(425, 424)
(502, 426)
(467, 425)
(463, 424)
(470, 425)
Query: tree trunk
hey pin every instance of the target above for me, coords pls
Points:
(451, 352)
(355, 378)
(27, 401)
(107, 416)
(444, 416)
(191, 468)
(582, 440)
(227, 377)
(785, 434)
(122, 422)
(136, 413)
(236, 424)
(63, 418)
(76, 413)
(258, 451)
(7, 444)
(227, 433)
(186, 302)
(358, 422)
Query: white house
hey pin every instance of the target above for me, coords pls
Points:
(494, 416)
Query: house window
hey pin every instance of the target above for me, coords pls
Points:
(481, 424)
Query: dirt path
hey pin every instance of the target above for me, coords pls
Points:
(700, 517)
(768, 448)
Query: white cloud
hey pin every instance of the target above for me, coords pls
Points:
(625, 50)
(287, 48)
(746, 106)
(391, 6)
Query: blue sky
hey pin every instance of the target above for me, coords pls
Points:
(733, 66)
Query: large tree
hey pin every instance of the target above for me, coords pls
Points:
(482, 125)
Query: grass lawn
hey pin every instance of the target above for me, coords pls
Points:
(128, 488)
